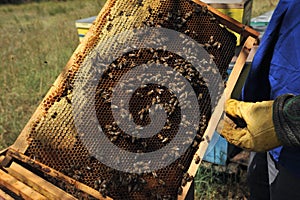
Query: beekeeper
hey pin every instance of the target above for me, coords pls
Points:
(273, 118)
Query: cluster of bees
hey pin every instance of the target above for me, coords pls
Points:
(146, 99)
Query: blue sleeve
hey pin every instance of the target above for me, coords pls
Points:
(257, 86)
(275, 68)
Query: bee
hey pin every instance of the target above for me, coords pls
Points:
(180, 190)
(140, 2)
(114, 107)
(158, 100)
(165, 156)
(108, 127)
(103, 192)
(133, 139)
(219, 45)
(187, 31)
(188, 14)
(204, 9)
(183, 182)
(129, 187)
(215, 44)
(197, 9)
(109, 27)
(161, 182)
(207, 46)
(207, 138)
(114, 138)
(165, 140)
(145, 145)
(181, 166)
(189, 178)
(150, 92)
(141, 116)
(96, 184)
(141, 111)
(154, 174)
(54, 115)
(197, 159)
(67, 89)
(141, 180)
(213, 19)
(195, 144)
(211, 40)
(160, 136)
(131, 55)
(144, 86)
(166, 127)
(128, 91)
(200, 96)
(149, 9)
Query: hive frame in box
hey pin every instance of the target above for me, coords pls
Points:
(30, 186)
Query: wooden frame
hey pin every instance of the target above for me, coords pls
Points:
(36, 183)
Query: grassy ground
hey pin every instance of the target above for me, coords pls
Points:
(221, 182)
(36, 41)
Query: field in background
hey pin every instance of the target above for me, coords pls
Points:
(36, 41)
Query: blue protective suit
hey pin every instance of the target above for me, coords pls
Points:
(276, 69)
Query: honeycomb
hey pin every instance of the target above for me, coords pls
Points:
(54, 139)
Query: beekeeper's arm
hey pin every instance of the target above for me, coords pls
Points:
(262, 126)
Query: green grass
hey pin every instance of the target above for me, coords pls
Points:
(36, 41)
(220, 182)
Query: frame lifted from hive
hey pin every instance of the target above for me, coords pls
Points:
(50, 148)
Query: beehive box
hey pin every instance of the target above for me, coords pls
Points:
(239, 10)
(83, 26)
(261, 22)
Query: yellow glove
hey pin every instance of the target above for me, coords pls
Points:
(257, 133)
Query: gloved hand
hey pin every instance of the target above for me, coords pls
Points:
(256, 132)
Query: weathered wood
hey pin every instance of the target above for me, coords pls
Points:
(56, 174)
(18, 187)
(37, 183)
(3, 151)
(5, 196)
(6, 162)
